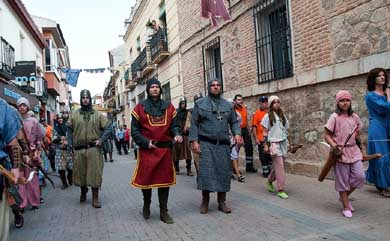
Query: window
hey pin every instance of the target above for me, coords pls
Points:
(51, 56)
(273, 40)
(166, 92)
(212, 65)
(138, 44)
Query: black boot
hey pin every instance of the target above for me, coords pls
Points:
(83, 194)
(19, 220)
(69, 177)
(188, 167)
(204, 207)
(147, 193)
(163, 194)
(177, 167)
(221, 203)
(63, 179)
(95, 198)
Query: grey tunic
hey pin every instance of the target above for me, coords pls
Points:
(212, 118)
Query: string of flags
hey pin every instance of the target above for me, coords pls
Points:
(72, 75)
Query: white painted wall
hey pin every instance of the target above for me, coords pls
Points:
(17, 35)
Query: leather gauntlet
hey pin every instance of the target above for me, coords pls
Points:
(15, 154)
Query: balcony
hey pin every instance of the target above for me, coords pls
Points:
(135, 69)
(130, 83)
(159, 46)
(53, 83)
(145, 63)
(7, 59)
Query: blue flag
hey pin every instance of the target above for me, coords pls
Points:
(72, 76)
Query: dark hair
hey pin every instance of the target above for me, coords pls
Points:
(236, 96)
(372, 76)
(338, 110)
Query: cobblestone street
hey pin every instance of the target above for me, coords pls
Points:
(311, 213)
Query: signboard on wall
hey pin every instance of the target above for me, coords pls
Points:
(25, 74)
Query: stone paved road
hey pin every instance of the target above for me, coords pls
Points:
(311, 213)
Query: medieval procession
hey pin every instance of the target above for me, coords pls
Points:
(248, 120)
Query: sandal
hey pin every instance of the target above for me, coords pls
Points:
(386, 193)
(241, 179)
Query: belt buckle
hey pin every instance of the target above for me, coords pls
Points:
(217, 142)
(88, 146)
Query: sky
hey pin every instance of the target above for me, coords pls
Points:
(91, 28)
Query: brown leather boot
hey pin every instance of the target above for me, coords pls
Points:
(83, 194)
(163, 194)
(204, 207)
(221, 203)
(95, 198)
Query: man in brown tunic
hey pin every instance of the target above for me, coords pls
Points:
(90, 128)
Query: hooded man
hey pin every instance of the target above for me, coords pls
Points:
(209, 135)
(182, 151)
(154, 128)
(89, 129)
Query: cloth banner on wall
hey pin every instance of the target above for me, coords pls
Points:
(213, 9)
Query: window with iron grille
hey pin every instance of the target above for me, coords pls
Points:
(273, 40)
(212, 65)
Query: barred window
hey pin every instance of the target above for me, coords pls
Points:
(212, 65)
(273, 40)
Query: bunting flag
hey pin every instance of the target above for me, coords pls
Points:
(72, 76)
(97, 70)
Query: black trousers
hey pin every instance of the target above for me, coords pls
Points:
(122, 145)
(248, 146)
(177, 167)
(265, 159)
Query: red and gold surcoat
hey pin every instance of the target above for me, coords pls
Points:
(154, 166)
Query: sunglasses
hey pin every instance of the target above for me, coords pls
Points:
(215, 85)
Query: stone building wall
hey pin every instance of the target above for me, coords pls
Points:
(335, 43)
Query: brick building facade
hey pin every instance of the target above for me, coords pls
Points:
(303, 51)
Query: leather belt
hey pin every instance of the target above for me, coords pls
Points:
(214, 142)
(86, 146)
(162, 144)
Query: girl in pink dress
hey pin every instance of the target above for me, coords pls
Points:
(349, 171)
(30, 192)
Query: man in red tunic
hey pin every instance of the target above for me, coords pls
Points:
(154, 128)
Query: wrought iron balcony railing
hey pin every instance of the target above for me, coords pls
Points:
(7, 56)
(159, 45)
(135, 67)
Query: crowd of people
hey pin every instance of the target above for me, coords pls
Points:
(211, 134)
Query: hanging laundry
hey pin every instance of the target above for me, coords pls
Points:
(213, 9)
(72, 75)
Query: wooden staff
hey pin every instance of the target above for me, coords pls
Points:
(332, 158)
(294, 148)
(11, 177)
